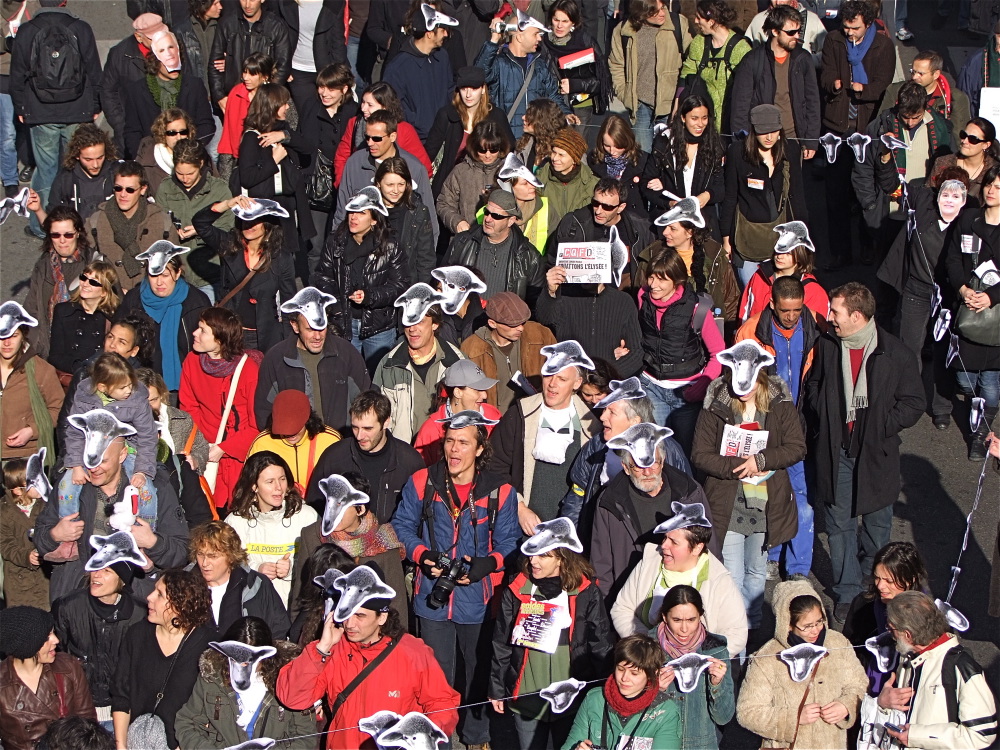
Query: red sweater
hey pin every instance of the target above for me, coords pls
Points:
(757, 296)
(406, 138)
(237, 106)
(410, 679)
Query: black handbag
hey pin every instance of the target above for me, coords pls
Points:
(319, 187)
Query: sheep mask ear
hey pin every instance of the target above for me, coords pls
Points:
(893, 143)
(159, 254)
(377, 723)
(261, 207)
(561, 694)
(467, 418)
(367, 199)
(686, 209)
(801, 659)
(859, 145)
(311, 303)
(514, 167)
(619, 256)
(117, 547)
(688, 669)
(261, 743)
(883, 648)
(622, 390)
(524, 21)
(956, 620)
(640, 440)
(457, 283)
(433, 18)
(564, 354)
(35, 475)
(99, 427)
(831, 145)
(793, 234)
(550, 535)
(745, 359)
(12, 317)
(16, 205)
(362, 587)
(661, 128)
(416, 301)
(340, 495)
(684, 516)
(413, 732)
(330, 594)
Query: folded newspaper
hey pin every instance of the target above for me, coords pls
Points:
(739, 442)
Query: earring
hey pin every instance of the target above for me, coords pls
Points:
(572, 29)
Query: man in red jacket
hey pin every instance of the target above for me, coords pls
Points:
(407, 679)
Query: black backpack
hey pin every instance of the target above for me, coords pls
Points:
(57, 72)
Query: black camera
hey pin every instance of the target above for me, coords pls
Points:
(445, 584)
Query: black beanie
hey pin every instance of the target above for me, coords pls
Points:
(24, 630)
(125, 571)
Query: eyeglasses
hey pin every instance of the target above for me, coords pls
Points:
(129, 190)
(488, 150)
(93, 282)
(811, 627)
(604, 206)
(375, 138)
(498, 217)
(176, 132)
(791, 32)
(975, 140)
(64, 235)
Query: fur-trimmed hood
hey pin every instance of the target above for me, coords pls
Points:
(718, 392)
(214, 666)
(783, 594)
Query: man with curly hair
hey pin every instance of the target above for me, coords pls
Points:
(85, 180)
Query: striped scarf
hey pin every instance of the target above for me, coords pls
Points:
(60, 291)
(370, 539)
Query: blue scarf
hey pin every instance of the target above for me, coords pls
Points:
(788, 356)
(166, 311)
(856, 54)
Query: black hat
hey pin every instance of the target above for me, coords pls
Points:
(125, 571)
(24, 630)
(470, 77)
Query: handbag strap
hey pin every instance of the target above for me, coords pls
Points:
(802, 705)
(170, 669)
(353, 685)
(229, 399)
(236, 289)
(521, 92)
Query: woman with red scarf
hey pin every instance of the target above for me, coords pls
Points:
(629, 710)
(206, 380)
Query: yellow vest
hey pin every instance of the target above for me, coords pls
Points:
(536, 230)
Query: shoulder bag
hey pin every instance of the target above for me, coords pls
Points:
(211, 473)
(983, 327)
(755, 239)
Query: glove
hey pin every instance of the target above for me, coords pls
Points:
(480, 567)
(429, 560)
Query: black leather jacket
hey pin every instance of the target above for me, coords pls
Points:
(386, 277)
(235, 39)
(524, 270)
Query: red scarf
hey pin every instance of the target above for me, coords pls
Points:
(623, 706)
(944, 91)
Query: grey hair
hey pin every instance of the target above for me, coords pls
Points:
(638, 408)
(955, 185)
(916, 613)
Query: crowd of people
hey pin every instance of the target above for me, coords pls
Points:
(391, 367)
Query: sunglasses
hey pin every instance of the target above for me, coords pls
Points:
(604, 206)
(176, 132)
(791, 32)
(93, 282)
(498, 217)
(488, 150)
(375, 138)
(129, 190)
(64, 235)
(975, 140)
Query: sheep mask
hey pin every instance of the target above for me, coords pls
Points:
(745, 360)
(340, 495)
(514, 167)
(12, 317)
(640, 440)
(311, 304)
(414, 731)
(792, 234)
(362, 587)
(100, 428)
(550, 535)
(801, 659)
(688, 669)
(683, 517)
(35, 475)
(564, 354)
(561, 694)
(330, 594)
(831, 145)
(261, 207)
(159, 254)
(686, 209)
(367, 199)
(622, 390)
(433, 18)
(16, 205)
(457, 283)
(416, 301)
(466, 418)
(117, 547)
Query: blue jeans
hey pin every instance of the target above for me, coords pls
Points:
(374, 347)
(842, 529)
(353, 45)
(213, 147)
(987, 382)
(798, 551)
(670, 409)
(48, 142)
(534, 735)
(69, 494)
(8, 148)
(643, 125)
(901, 14)
(745, 272)
(746, 560)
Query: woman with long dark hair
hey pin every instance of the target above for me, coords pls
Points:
(616, 155)
(65, 252)
(542, 120)
(258, 68)
(687, 159)
(409, 218)
(763, 189)
(588, 86)
(80, 324)
(252, 713)
(364, 267)
(268, 513)
(254, 247)
(466, 188)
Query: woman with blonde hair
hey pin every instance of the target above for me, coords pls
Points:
(80, 324)
(156, 151)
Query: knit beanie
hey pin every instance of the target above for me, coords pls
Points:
(571, 142)
(24, 630)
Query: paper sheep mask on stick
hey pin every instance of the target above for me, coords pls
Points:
(561, 694)
(514, 167)
(661, 128)
(564, 354)
(117, 547)
(688, 669)
(942, 324)
(99, 427)
(466, 418)
(12, 317)
(340, 495)
(378, 722)
(793, 234)
(367, 199)
(457, 283)
(956, 620)
(330, 594)
(524, 21)
(745, 360)
(434, 18)
(159, 254)
(683, 517)
(831, 145)
(413, 732)
(859, 145)
(261, 743)
(801, 659)
(893, 143)
(261, 207)
(16, 205)
(952, 349)
(35, 475)
(550, 535)
(622, 390)
(416, 301)
(686, 209)
(357, 588)
(311, 303)
(243, 660)
(883, 648)
(640, 440)
(619, 256)
(976, 412)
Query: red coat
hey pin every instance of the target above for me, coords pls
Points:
(406, 139)
(409, 679)
(237, 106)
(757, 296)
(429, 441)
(204, 398)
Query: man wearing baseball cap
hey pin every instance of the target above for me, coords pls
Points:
(507, 344)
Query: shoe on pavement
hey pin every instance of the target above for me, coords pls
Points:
(904, 34)
(942, 421)
(10, 191)
(798, 577)
(773, 571)
(26, 174)
(27, 231)
(977, 449)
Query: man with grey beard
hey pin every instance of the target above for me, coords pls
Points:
(632, 504)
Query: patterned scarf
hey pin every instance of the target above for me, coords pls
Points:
(369, 540)
(60, 292)
(934, 133)
(674, 648)
(126, 233)
(615, 165)
(223, 368)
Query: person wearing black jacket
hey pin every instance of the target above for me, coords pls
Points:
(616, 156)
(238, 34)
(388, 17)
(409, 218)
(589, 85)
(86, 179)
(316, 38)
(125, 65)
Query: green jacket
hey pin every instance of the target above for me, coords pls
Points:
(716, 74)
(661, 724)
(564, 198)
(202, 263)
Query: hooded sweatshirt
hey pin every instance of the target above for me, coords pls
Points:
(423, 83)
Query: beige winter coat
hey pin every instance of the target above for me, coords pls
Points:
(769, 701)
(624, 60)
(724, 610)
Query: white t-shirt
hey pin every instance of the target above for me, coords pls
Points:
(303, 58)
(217, 593)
